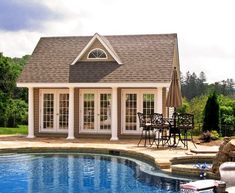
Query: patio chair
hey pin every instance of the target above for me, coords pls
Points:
(185, 125)
(161, 129)
(146, 129)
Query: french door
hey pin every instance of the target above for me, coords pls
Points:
(95, 111)
(134, 101)
(54, 110)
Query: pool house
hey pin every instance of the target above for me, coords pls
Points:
(93, 86)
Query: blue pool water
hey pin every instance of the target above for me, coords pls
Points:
(62, 173)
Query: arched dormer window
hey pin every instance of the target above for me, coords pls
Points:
(97, 53)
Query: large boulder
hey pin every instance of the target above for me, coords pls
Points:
(225, 154)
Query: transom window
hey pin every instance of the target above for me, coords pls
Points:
(97, 53)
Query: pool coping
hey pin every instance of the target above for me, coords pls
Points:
(109, 151)
(173, 166)
(162, 157)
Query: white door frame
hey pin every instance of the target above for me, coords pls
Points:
(96, 93)
(139, 107)
(56, 93)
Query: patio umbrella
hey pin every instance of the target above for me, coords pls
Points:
(174, 98)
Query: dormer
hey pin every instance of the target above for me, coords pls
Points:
(97, 49)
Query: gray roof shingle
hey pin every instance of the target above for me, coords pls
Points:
(145, 58)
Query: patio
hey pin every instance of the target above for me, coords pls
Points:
(161, 157)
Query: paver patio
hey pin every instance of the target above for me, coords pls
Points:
(160, 156)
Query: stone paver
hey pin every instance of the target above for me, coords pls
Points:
(160, 156)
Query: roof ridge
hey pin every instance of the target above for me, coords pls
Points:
(114, 35)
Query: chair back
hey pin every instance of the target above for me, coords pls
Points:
(142, 120)
(185, 121)
(157, 120)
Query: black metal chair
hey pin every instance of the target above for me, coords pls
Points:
(161, 129)
(146, 129)
(185, 124)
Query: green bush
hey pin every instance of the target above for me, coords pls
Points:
(211, 114)
(214, 135)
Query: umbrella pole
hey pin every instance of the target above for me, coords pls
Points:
(174, 123)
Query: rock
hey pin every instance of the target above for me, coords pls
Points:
(226, 153)
(228, 147)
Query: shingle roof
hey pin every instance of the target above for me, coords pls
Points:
(145, 58)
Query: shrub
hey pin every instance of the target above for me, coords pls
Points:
(214, 135)
(211, 114)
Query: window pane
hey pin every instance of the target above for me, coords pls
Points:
(148, 105)
(105, 111)
(48, 111)
(97, 53)
(131, 110)
(63, 110)
(89, 110)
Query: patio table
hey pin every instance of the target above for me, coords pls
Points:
(173, 132)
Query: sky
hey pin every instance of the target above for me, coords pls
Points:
(205, 28)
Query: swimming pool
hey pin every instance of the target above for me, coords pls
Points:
(85, 173)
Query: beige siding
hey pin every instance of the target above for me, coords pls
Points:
(96, 44)
(77, 117)
(36, 111)
(164, 102)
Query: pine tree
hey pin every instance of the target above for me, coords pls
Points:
(211, 114)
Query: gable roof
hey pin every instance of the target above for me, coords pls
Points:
(145, 58)
(104, 42)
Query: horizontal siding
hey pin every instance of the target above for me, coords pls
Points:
(36, 111)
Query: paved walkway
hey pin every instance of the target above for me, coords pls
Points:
(160, 156)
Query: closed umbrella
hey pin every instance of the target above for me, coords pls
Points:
(174, 98)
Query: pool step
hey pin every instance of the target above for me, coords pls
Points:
(163, 164)
(190, 170)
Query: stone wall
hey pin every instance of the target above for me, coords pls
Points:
(226, 153)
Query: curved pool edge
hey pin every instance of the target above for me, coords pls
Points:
(109, 151)
(166, 166)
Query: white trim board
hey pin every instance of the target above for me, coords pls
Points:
(97, 36)
(94, 85)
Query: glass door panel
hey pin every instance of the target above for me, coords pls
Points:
(148, 105)
(105, 112)
(131, 112)
(89, 111)
(134, 101)
(48, 111)
(63, 111)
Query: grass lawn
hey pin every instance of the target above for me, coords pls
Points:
(22, 129)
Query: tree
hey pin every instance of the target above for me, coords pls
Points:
(211, 114)
(8, 75)
(193, 86)
(13, 110)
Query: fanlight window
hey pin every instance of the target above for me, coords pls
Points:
(97, 54)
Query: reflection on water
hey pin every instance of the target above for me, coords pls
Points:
(78, 173)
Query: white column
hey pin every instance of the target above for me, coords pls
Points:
(30, 113)
(159, 100)
(71, 114)
(114, 126)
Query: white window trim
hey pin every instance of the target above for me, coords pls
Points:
(97, 36)
(56, 109)
(81, 111)
(106, 56)
(139, 93)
